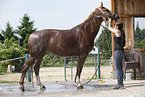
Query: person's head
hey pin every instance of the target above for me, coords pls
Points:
(119, 25)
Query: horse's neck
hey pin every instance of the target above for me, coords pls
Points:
(92, 27)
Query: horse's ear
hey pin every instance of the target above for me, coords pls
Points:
(101, 4)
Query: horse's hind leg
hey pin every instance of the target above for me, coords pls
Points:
(36, 69)
(24, 70)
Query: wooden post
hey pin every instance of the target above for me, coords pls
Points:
(113, 10)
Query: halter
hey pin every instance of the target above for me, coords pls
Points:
(101, 10)
(102, 14)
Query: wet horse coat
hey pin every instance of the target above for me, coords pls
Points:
(78, 41)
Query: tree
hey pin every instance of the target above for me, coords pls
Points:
(9, 50)
(9, 47)
(137, 33)
(2, 37)
(142, 34)
(139, 36)
(9, 31)
(105, 45)
(26, 28)
(143, 43)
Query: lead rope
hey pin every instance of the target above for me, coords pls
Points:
(91, 77)
(100, 58)
(81, 84)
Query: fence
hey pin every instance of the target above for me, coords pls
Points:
(92, 60)
(4, 64)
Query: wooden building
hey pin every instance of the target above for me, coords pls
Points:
(127, 10)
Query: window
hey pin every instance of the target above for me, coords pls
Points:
(139, 32)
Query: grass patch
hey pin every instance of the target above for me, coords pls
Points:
(75, 65)
(9, 81)
(57, 65)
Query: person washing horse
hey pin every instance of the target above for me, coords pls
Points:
(119, 51)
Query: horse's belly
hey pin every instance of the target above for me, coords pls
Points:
(63, 51)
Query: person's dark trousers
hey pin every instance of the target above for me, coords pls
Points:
(118, 56)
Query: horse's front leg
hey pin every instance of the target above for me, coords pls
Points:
(79, 70)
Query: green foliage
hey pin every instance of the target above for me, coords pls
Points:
(9, 50)
(137, 33)
(9, 46)
(140, 44)
(106, 44)
(26, 28)
(51, 60)
(143, 43)
(9, 31)
(139, 37)
(2, 36)
(9, 81)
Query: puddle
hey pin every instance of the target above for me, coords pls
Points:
(51, 87)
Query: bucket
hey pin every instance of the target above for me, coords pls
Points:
(9, 68)
(128, 76)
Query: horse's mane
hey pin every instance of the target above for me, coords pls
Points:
(90, 16)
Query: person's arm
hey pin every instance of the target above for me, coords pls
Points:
(114, 30)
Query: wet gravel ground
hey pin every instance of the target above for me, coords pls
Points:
(134, 88)
(49, 76)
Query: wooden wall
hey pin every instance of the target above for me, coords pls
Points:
(130, 7)
(127, 10)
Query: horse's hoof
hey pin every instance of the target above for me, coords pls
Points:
(42, 88)
(22, 89)
(80, 87)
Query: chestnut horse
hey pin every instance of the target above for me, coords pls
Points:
(78, 41)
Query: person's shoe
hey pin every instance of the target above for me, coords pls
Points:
(119, 87)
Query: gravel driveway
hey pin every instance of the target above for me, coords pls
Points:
(57, 74)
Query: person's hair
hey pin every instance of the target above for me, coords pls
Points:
(119, 24)
(122, 38)
(120, 27)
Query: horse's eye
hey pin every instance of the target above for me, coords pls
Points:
(107, 10)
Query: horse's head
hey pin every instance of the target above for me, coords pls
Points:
(105, 13)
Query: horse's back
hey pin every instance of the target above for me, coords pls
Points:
(45, 39)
